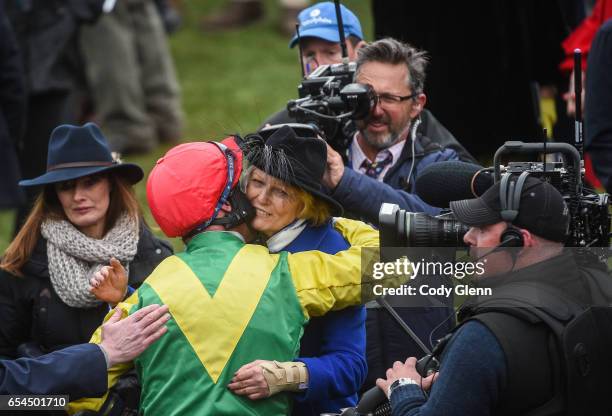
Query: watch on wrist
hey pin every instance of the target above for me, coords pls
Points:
(402, 381)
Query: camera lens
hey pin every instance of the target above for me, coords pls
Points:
(423, 230)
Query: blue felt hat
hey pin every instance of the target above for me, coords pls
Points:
(77, 151)
(319, 21)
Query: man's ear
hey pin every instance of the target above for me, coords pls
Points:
(352, 50)
(361, 44)
(528, 238)
(418, 105)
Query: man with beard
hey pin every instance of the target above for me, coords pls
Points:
(385, 158)
(387, 152)
(319, 44)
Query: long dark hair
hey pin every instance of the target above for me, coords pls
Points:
(48, 206)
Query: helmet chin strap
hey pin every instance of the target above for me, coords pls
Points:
(242, 211)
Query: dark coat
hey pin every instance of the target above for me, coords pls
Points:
(12, 114)
(35, 320)
(78, 371)
(46, 31)
(598, 121)
(363, 196)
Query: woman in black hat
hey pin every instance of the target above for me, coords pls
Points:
(85, 215)
(293, 213)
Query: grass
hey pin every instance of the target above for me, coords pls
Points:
(230, 81)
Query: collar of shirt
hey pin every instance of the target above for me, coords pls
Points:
(284, 237)
(235, 233)
(356, 156)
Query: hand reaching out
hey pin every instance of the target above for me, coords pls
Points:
(334, 169)
(109, 284)
(125, 339)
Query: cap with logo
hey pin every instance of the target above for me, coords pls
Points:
(541, 210)
(319, 21)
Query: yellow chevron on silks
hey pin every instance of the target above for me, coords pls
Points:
(213, 325)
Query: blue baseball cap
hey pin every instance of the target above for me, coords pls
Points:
(319, 21)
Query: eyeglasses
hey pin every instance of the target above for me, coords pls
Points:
(391, 99)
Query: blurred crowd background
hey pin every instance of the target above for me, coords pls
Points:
(230, 80)
(229, 67)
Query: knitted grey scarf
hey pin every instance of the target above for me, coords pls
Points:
(75, 257)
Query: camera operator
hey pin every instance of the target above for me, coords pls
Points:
(320, 45)
(496, 362)
(386, 154)
(386, 157)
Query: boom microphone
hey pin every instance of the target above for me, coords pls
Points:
(443, 182)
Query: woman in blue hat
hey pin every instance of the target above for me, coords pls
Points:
(85, 215)
(293, 213)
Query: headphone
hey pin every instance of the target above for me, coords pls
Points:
(510, 200)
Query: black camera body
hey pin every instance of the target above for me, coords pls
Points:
(329, 100)
(589, 211)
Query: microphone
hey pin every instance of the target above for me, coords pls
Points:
(370, 401)
(511, 241)
(443, 182)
